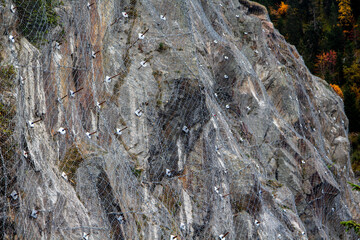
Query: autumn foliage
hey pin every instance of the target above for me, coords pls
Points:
(326, 62)
(327, 35)
(283, 8)
(338, 90)
(345, 14)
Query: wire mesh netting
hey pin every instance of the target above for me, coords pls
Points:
(144, 120)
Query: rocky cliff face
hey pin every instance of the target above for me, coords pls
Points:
(224, 131)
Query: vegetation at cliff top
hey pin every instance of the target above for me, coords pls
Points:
(327, 35)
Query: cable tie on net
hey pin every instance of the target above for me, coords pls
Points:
(125, 15)
(223, 236)
(72, 93)
(142, 35)
(182, 227)
(88, 5)
(172, 237)
(88, 134)
(12, 8)
(22, 80)
(108, 79)
(98, 105)
(168, 172)
(93, 54)
(163, 17)
(64, 176)
(185, 129)
(85, 236)
(57, 45)
(120, 130)
(61, 131)
(12, 38)
(34, 213)
(138, 112)
(25, 154)
(143, 63)
(14, 195)
(121, 219)
(31, 124)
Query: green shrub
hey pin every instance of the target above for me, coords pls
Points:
(137, 172)
(7, 76)
(6, 124)
(7, 111)
(351, 225)
(354, 186)
(71, 163)
(37, 18)
(162, 47)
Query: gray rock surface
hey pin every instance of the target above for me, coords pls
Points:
(235, 137)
